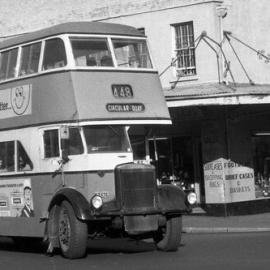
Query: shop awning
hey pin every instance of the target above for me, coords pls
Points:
(217, 94)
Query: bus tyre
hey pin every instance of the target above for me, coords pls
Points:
(168, 237)
(72, 233)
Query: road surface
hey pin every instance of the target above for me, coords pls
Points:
(197, 251)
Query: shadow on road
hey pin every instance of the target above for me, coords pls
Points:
(101, 246)
(119, 246)
(28, 245)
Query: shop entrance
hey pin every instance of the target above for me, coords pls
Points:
(178, 161)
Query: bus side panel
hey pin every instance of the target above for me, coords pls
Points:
(30, 227)
(26, 200)
(43, 188)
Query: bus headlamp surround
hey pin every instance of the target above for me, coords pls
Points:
(192, 198)
(96, 202)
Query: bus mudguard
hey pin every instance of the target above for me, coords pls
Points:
(80, 205)
(172, 199)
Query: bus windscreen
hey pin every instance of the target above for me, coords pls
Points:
(106, 139)
(131, 53)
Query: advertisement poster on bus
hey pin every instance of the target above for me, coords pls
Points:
(16, 101)
(227, 181)
(16, 198)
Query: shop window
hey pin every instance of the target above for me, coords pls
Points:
(138, 147)
(54, 54)
(261, 157)
(184, 49)
(160, 155)
(51, 143)
(30, 59)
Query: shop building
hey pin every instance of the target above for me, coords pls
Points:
(216, 87)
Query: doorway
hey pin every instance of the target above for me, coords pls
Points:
(178, 160)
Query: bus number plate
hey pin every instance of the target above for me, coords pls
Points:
(122, 91)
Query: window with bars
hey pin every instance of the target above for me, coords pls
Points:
(185, 49)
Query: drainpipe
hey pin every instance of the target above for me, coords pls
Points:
(221, 12)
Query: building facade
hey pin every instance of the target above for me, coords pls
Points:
(212, 57)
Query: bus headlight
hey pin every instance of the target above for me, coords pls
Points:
(192, 198)
(97, 202)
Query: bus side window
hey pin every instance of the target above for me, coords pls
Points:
(7, 151)
(23, 160)
(30, 59)
(51, 143)
(8, 61)
(54, 54)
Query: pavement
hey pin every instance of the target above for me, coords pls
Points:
(200, 222)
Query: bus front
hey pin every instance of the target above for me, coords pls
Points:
(116, 87)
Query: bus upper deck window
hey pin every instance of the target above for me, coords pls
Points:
(54, 54)
(29, 59)
(8, 60)
(131, 53)
(91, 52)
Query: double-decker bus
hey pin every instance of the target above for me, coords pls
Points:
(68, 96)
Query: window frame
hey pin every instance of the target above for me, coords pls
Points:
(45, 41)
(108, 150)
(44, 145)
(16, 169)
(41, 56)
(101, 38)
(180, 71)
(8, 50)
(109, 38)
(70, 65)
(20, 56)
(58, 128)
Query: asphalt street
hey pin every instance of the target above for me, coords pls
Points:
(197, 251)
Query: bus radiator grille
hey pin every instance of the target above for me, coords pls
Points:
(136, 187)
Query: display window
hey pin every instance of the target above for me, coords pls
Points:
(261, 160)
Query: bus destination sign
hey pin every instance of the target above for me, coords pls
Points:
(122, 91)
(125, 107)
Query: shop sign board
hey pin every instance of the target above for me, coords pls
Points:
(214, 182)
(227, 181)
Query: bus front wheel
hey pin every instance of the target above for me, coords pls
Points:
(72, 233)
(168, 237)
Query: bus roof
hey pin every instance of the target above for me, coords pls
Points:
(99, 28)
